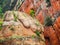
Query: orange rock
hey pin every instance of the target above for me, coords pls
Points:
(56, 26)
(55, 4)
(40, 17)
(50, 33)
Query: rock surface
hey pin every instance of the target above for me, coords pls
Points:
(21, 29)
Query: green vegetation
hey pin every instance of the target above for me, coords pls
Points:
(37, 23)
(2, 40)
(33, 36)
(48, 21)
(1, 18)
(15, 18)
(37, 33)
(1, 22)
(15, 37)
(48, 3)
(7, 4)
(1, 12)
(32, 13)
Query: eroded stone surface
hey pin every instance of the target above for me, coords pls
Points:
(21, 31)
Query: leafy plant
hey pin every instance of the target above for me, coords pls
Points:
(32, 12)
(48, 21)
(1, 25)
(0, 9)
(15, 17)
(1, 12)
(48, 3)
(37, 33)
(7, 4)
(2, 40)
(33, 36)
(1, 17)
(37, 23)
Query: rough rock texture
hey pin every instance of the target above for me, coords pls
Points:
(21, 29)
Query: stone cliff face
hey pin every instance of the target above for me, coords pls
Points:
(21, 29)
